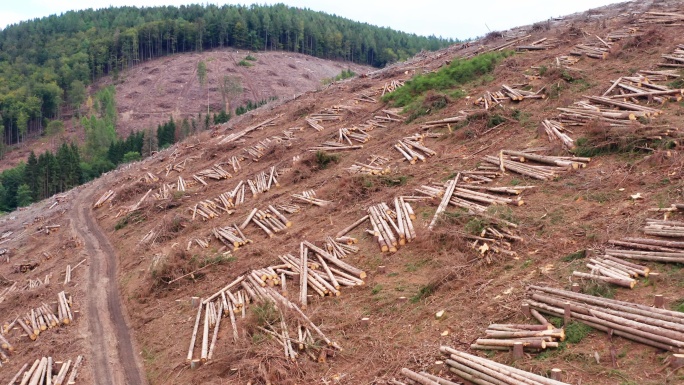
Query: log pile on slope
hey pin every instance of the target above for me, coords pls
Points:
(392, 227)
(594, 48)
(663, 18)
(42, 318)
(545, 167)
(44, 371)
(413, 148)
(237, 135)
(674, 59)
(660, 328)
(521, 337)
(616, 271)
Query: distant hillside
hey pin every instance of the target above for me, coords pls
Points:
(45, 63)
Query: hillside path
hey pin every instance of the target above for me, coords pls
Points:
(113, 356)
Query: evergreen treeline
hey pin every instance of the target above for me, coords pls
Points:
(45, 63)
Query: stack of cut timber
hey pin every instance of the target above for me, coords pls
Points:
(234, 162)
(392, 227)
(507, 45)
(360, 168)
(104, 198)
(215, 172)
(231, 236)
(390, 115)
(659, 76)
(43, 318)
(354, 133)
(263, 182)
(206, 209)
(237, 135)
(6, 291)
(164, 192)
(674, 59)
(363, 97)
(372, 123)
(566, 61)
(200, 242)
(259, 150)
(179, 167)
(332, 145)
(150, 178)
(288, 135)
(238, 193)
(674, 207)
(327, 115)
(391, 86)
(623, 33)
(479, 177)
(447, 122)
(341, 247)
(660, 328)
(640, 86)
(44, 371)
(489, 100)
(531, 337)
(309, 196)
(664, 228)
(583, 112)
(550, 167)
(225, 202)
(597, 49)
(519, 94)
(666, 18)
(413, 148)
(269, 220)
(289, 208)
(613, 270)
(557, 132)
(541, 44)
(315, 124)
(181, 185)
(483, 371)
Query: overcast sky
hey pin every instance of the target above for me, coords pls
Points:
(457, 19)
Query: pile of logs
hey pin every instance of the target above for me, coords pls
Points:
(389, 115)
(179, 167)
(234, 162)
(206, 209)
(231, 236)
(354, 133)
(181, 185)
(363, 97)
(521, 337)
(666, 18)
(593, 49)
(653, 326)
(263, 181)
(664, 228)
(269, 220)
(491, 99)
(237, 135)
(548, 167)
(674, 59)
(641, 86)
(413, 148)
(104, 198)
(164, 192)
(67, 274)
(566, 61)
(604, 109)
(309, 196)
(215, 172)
(613, 270)
(369, 169)
(447, 122)
(623, 33)
(538, 45)
(392, 227)
(557, 132)
(43, 318)
(150, 178)
(260, 149)
(391, 86)
(43, 372)
(332, 145)
(478, 370)
(341, 247)
(289, 208)
(6, 291)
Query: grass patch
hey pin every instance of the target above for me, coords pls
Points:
(265, 314)
(495, 120)
(134, 217)
(457, 73)
(575, 332)
(245, 63)
(423, 292)
(345, 74)
(580, 254)
(414, 266)
(678, 305)
(250, 58)
(376, 289)
(599, 289)
(323, 159)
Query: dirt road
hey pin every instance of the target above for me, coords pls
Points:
(113, 357)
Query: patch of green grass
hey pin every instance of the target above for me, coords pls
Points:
(475, 226)
(376, 289)
(423, 292)
(457, 73)
(414, 266)
(580, 254)
(266, 314)
(134, 217)
(495, 120)
(245, 63)
(250, 58)
(575, 332)
(515, 182)
(542, 70)
(678, 305)
(599, 289)
(323, 159)
(502, 212)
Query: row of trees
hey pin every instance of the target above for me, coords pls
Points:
(46, 63)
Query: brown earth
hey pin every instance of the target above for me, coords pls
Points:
(579, 211)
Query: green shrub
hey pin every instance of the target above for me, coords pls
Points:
(575, 332)
(250, 58)
(495, 120)
(457, 73)
(423, 292)
(323, 159)
(245, 63)
(574, 256)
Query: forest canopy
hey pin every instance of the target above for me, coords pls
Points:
(45, 63)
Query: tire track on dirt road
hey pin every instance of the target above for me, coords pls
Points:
(113, 357)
